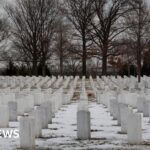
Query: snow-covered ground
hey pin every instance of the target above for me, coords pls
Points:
(104, 131)
(62, 133)
(105, 134)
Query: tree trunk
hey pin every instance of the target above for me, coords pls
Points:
(139, 45)
(61, 53)
(43, 69)
(104, 64)
(84, 57)
(129, 74)
(61, 66)
(139, 56)
(115, 71)
(34, 68)
(139, 66)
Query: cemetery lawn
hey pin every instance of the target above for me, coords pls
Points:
(105, 134)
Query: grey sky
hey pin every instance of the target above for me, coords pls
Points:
(3, 2)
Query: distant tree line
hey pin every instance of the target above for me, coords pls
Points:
(76, 37)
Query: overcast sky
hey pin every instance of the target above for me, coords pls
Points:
(3, 2)
(9, 1)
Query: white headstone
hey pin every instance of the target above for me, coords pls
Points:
(115, 110)
(36, 114)
(4, 116)
(83, 105)
(98, 95)
(44, 115)
(38, 98)
(140, 102)
(29, 102)
(48, 106)
(12, 111)
(124, 112)
(83, 125)
(27, 133)
(146, 108)
(134, 128)
(21, 105)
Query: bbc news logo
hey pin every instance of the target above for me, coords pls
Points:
(8, 134)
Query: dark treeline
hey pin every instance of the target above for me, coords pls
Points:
(76, 37)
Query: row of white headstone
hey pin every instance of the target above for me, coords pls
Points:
(130, 122)
(37, 106)
(136, 99)
(121, 95)
(32, 82)
(31, 126)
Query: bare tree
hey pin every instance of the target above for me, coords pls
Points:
(126, 45)
(63, 42)
(107, 26)
(48, 21)
(139, 22)
(4, 29)
(33, 29)
(4, 38)
(80, 14)
(73, 64)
